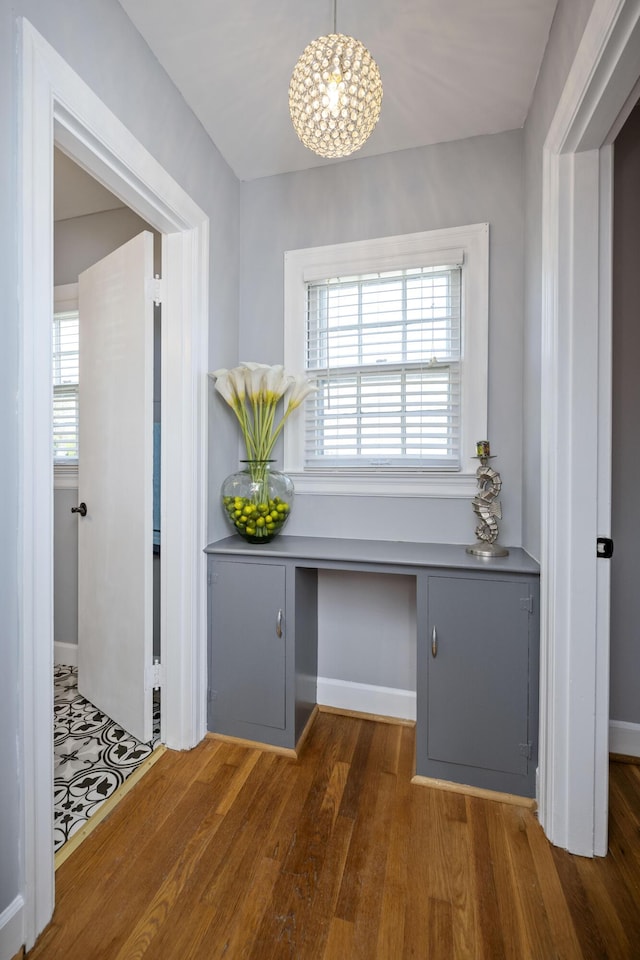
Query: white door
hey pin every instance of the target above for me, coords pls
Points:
(115, 481)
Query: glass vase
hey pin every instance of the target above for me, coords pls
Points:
(257, 501)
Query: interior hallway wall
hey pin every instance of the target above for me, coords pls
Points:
(79, 242)
(366, 623)
(428, 188)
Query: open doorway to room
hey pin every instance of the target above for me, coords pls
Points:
(97, 748)
(625, 462)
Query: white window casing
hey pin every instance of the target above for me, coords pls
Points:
(409, 457)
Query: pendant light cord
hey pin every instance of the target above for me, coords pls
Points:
(332, 117)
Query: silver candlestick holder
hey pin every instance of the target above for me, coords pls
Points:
(487, 507)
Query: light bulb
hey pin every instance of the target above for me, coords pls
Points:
(333, 92)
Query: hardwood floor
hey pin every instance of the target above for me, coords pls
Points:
(230, 852)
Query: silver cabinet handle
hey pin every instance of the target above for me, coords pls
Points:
(434, 643)
(279, 624)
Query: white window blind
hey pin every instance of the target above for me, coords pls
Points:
(384, 350)
(65, 386)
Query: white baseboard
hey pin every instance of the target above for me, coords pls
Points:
(11, 928)
(65, 653)
(366, 698)
(624, 738)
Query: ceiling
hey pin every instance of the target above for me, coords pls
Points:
(450, 69)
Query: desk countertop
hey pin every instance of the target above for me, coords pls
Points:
(385, 553)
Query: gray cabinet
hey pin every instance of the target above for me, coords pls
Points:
(262, 680)
(477, 669)
(477, 689)
(248, 663)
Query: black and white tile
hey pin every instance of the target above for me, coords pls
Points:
(93, 756)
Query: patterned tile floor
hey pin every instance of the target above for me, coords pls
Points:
(93, 756)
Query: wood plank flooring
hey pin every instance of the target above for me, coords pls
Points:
(230, 852)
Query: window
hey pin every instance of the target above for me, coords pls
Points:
(394, 334)
(65, 360)
(384, 351)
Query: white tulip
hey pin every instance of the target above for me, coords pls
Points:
(252, 365)
(224, 386)
(237, 379)
(275, 383)
(300, 388)
(252, 377)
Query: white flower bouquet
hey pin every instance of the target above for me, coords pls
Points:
(253, 391)
(257, 501)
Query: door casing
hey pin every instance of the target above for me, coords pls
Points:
(58, 107)
(598, 95)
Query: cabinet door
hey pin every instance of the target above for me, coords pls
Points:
(478, 681)
(248, 658)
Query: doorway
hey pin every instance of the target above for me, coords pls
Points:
(625, 525)
(58, 108)
(106, 724)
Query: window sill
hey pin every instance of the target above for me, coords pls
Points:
(459, 485)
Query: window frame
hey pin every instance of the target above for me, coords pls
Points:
(65, 298)
(427, 248)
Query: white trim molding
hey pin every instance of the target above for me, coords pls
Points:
(624, 738)
(65, 654)
(65, 297)
(57, 107)
(65, 476)
(461, 486)
(11, 929)
(367, 698)
(575, 391)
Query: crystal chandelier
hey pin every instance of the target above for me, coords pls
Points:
(335, 95)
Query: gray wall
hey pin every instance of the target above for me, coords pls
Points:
(102, 46)
(65, 567)
(367, 629)
(79, 242)
(566, 31)
(625, 525)
(446, 185)
(366, 624)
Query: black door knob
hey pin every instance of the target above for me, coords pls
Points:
(82, 509)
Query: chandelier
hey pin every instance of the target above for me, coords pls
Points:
(335, 94)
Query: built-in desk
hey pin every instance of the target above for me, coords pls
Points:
(477, 650)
